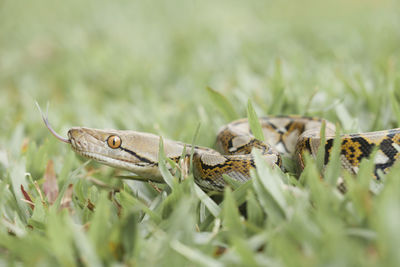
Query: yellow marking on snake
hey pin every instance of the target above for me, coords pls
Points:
(290, 136)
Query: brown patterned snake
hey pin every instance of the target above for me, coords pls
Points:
(284, 135)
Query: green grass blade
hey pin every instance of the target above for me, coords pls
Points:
(207, 201)
(194, 140)
(269, 189)
(162, 159)
(395, 105)
(127, 201)
(254, 122)
(222, 104)
(333, 168)
(254, 212)
(321, 148)
(234, 184)
(85, 248)
(195, 255)
(231, 217)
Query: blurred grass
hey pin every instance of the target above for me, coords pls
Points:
(146, 66)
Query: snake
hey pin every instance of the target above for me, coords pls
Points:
(284, 136)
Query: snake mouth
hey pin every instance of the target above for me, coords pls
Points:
(87, 154)
(140, 169)
(120, 163)
(82, 148)
(101, 158)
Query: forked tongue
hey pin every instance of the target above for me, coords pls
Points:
(46, 122)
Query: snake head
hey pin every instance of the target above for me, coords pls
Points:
(133, 151)
(129, 150)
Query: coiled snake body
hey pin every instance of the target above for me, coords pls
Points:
(284, 135)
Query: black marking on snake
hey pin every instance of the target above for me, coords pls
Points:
(287, 127)
(343, 151)
(308, 145)
(365, 147)
(141, 164)
(252, 143)
(392, 132)
(388, 149)
(280, 132)
(272, 125)
(266, 122)
(328, 146)
(229, 161)
(283, 144)
(138, 157)
(230, 143)
(279, 160)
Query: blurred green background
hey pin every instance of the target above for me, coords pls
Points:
(146, 65)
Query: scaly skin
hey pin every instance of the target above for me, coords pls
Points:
(284, 135)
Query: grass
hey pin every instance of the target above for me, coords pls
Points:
(164, 67)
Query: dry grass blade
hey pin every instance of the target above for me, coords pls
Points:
(50, 186)
(27, 197)
(67, 198)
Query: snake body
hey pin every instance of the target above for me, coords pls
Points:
(288, 136)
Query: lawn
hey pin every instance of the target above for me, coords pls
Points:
(170, 68)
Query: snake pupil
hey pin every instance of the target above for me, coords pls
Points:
(114, 141)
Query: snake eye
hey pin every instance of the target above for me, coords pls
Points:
(114, 141)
